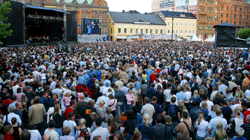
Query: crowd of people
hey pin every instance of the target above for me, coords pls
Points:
(124, 91)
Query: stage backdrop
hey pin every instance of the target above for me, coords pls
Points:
(90, 26)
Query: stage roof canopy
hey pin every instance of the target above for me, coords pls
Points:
(44, 8)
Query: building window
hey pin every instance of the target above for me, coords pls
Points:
(161, 31)
(222, 7)
(216, 10)
(125, 30)
(222, 15)
(186, 24)
(193, 24)
(247, 16)
(151, 31)
(177, 31)
(136, 30)
(247, 9)
(246, 23)
(216, 2)
(216, 18)
(230, 15)
(240, 16)
(235, 16)
(235, 9)
(142, 31)
(210, 1)
(190, 24)
(221, 21)
(181, 31)
(234, 22)
(227, 7)
(131, 30)
(119, 30)
(227, 15)
(189, 31)
(201, 8)
(168, 22)
(177, 23)
(240, 23)
(168, 31)
(240, 9)
(156, 31)
(185, 31)
(146, 31)
(181, 23)
(202, 1)
(193, 31)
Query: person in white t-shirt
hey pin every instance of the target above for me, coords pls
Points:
(71, 124)
(201, 125)
(205, 98)
(51, 132)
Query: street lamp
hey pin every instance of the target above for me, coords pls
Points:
(172, 36)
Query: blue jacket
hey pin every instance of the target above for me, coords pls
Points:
(47, 102)
(157, 132)
(145, 131)
(81, 80)
(150, 93)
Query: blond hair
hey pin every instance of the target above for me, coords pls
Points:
(146, 119)
(68, 94)
(204, 105)
(220, 131)
(200, 117)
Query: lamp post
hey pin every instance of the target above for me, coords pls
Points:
(172, 36)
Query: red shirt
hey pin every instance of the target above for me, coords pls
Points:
(78, 87)
(246, 113)
(8, 137)
(153, 77)
(7, 102)
(67, 111)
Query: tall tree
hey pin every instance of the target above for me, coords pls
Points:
(4, 9)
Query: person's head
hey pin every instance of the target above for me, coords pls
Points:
(98, 122)
(154, 100)
(114, 127)
(8, 129)
(66, 130)
(218, 112)
(111, 96)
(185, 114)
(51, 124)
(200, 117)
(136, 136)
(160, 119)
(19, 90)
(30, 125)
(248, 119)
(12, 109)
(240, 131)
(72, 103)
(101, 104)
(82, 122)
(46, 137)
(146, 100)
(173, 99)
(71, 116)
(93, 116)
(25, 135)
(194, 104)
(13, 121)
(18, 105)
(118, 136)
(68, 94)
(204, 105)
(14, 98)
(146, 118)
(168, 120)
(97, 137)
(36, 100)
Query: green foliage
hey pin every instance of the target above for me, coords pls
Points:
(4, 9)
(244, 33)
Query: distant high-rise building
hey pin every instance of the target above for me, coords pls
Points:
(164, 5)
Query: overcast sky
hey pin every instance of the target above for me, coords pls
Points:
(141, 6)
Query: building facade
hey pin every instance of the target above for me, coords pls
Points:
(164, 5)
(214, 12)
(184, 24)
(123, 24)
(93, 9)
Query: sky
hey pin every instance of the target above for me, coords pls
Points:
(141, 6)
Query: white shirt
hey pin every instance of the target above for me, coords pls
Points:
(202, 128)
(103, 132)
(234, 106)
(213, 122)
(103, 98)
(52, 133)
(10, 116)
(15, 89)
(167, 95)
(105, 91)
(53, 85)
(209, 106)
(148, 109)
(222, 88)
(72, 125)
(188, 96)
(35, 135)
(212, 96)
(183, 82)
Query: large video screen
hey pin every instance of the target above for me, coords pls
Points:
(90, 26)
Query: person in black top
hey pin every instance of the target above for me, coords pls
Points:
(17, 130)
(159, 95)
(3, 107)
(129, 125)
(58, 119)
(97, 94)
(86, 111)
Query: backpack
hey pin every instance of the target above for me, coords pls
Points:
(172, 111)
(39, 91)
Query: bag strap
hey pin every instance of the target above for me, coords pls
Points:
(113, 103)
(187, 127)
(6, 118)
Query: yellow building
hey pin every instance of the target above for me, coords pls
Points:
(184, 24)
(132, 23)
